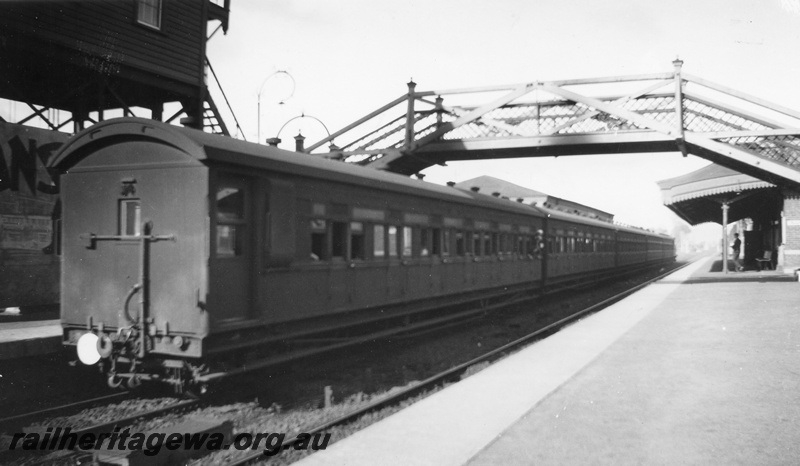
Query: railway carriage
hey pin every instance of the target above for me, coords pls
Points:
(186, 254)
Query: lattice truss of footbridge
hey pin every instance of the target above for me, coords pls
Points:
(665, 112)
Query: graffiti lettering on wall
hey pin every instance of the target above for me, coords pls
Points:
(24, 156)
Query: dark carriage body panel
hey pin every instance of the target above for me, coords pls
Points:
(169, 189)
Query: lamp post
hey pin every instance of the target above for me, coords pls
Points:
(303, 115)
(280, 101)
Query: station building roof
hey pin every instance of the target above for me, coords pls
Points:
(490, 185)
(697, 197)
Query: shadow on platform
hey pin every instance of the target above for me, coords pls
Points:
(714, 274)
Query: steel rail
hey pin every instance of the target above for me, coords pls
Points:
(457, 371)
(110, 425)
(20, 420)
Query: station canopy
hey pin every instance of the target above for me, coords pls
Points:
(697, 197)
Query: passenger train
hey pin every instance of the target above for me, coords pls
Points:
(185, 254)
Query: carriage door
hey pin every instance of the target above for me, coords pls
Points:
(231, 249)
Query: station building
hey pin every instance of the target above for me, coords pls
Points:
(498, 187)
(766, 216)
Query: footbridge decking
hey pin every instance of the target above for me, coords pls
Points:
(663, 112)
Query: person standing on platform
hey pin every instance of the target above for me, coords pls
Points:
(737, 247)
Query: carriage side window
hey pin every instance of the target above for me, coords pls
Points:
(446, 243)
(230, 203)
(130, 217)
(338, 239)
(319, 237)
(424, 242)
(379, 246)
(460, 249)
(228, 241)
(476, 246)
(392, 241)
(230, 220)
(436, 242)
(356, 240)
(487, 244)
(407, 242)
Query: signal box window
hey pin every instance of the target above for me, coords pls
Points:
(356, 240)
(379, 246)
(130, 217)
(148, 12)
(319, 236)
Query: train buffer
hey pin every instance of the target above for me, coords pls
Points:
(699, 368)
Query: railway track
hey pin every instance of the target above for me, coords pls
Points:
(27, 423)
(432, 383)
(423, 388)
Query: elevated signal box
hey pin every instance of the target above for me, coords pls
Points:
(87, 57)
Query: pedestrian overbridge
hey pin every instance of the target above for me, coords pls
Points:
(663, 112)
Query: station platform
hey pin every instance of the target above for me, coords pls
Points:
(21, 339)
(697, 368)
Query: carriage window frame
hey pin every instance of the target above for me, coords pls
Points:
(318, 229)
(130, 226)
(379, 241)
(339, 240)
(231, 224)
(406, 241)
(437, 242)
(461, 250)
(358, 241)
(425, 247)
(392, 240)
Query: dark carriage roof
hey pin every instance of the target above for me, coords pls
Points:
(210, 148)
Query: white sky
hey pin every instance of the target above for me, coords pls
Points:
(349, 57)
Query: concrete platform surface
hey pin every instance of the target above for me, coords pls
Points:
(710, 376)
(20, 339)
(484, 419)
